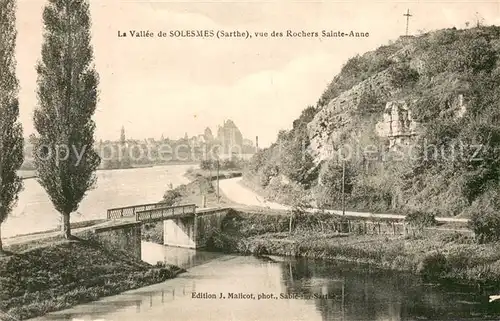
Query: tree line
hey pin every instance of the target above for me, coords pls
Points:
(67, 92)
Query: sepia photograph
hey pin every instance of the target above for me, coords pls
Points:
(256, 160)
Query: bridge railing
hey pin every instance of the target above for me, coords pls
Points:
(163, 212)
(129, 211)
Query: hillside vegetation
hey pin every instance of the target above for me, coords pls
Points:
(420, 118)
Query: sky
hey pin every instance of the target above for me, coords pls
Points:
(170, 86)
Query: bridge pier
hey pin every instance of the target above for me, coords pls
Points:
(193, 231)
(180, 232)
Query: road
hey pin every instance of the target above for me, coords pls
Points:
(234, 190)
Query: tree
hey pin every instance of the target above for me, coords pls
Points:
(301, 202)
(331, 183)
(67, 96)
(11, 133)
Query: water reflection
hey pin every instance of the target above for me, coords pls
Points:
(366, 294)
(184, 258)
(317, 290)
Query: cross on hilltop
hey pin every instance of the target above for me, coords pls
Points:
(407, 15)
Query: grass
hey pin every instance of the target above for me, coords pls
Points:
(194, 173)
(192, 192)
(437, 255)
(59, 274)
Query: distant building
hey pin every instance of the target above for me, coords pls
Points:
(230, 137)
(208, 135)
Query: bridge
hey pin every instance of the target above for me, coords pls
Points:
(148, 213)
(184, 226)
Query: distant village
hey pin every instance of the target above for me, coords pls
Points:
(125, 152)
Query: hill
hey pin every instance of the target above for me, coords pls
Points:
(417, 123)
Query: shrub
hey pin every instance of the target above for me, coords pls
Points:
(455, 237)
(403, 76)
(434, 264)
(486, 226)
(370, 103)
(171, 197)
(419, 219)
(461, 258)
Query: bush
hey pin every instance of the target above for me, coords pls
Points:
(171, 197)
(224, 164)
(486, 226)
(420, 219)
(403, 76)
(455, 237)
(434, 264)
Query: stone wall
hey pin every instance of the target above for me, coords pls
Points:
(122, 237)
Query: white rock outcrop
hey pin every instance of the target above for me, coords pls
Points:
(397, 124)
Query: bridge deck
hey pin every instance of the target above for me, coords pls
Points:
(156, 212)
(165, 213)
(130, 211)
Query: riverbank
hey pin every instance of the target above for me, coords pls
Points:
(193, 173)
(436, 255)
(55, 274)
(446, 252)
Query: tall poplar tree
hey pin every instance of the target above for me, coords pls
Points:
(67, 96)
(11, 133)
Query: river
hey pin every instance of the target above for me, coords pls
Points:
(323, 291)
(34, 211)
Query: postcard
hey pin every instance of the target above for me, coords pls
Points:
(249, 160)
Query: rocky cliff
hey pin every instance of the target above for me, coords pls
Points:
(326, 129)
(441, 88)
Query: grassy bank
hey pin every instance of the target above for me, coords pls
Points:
(194, 173)
(432, 254)
(59, 274)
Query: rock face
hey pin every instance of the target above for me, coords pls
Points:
(457, 107)
(460, 107)
(397, 124)
(325, 130)
(336, 123)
